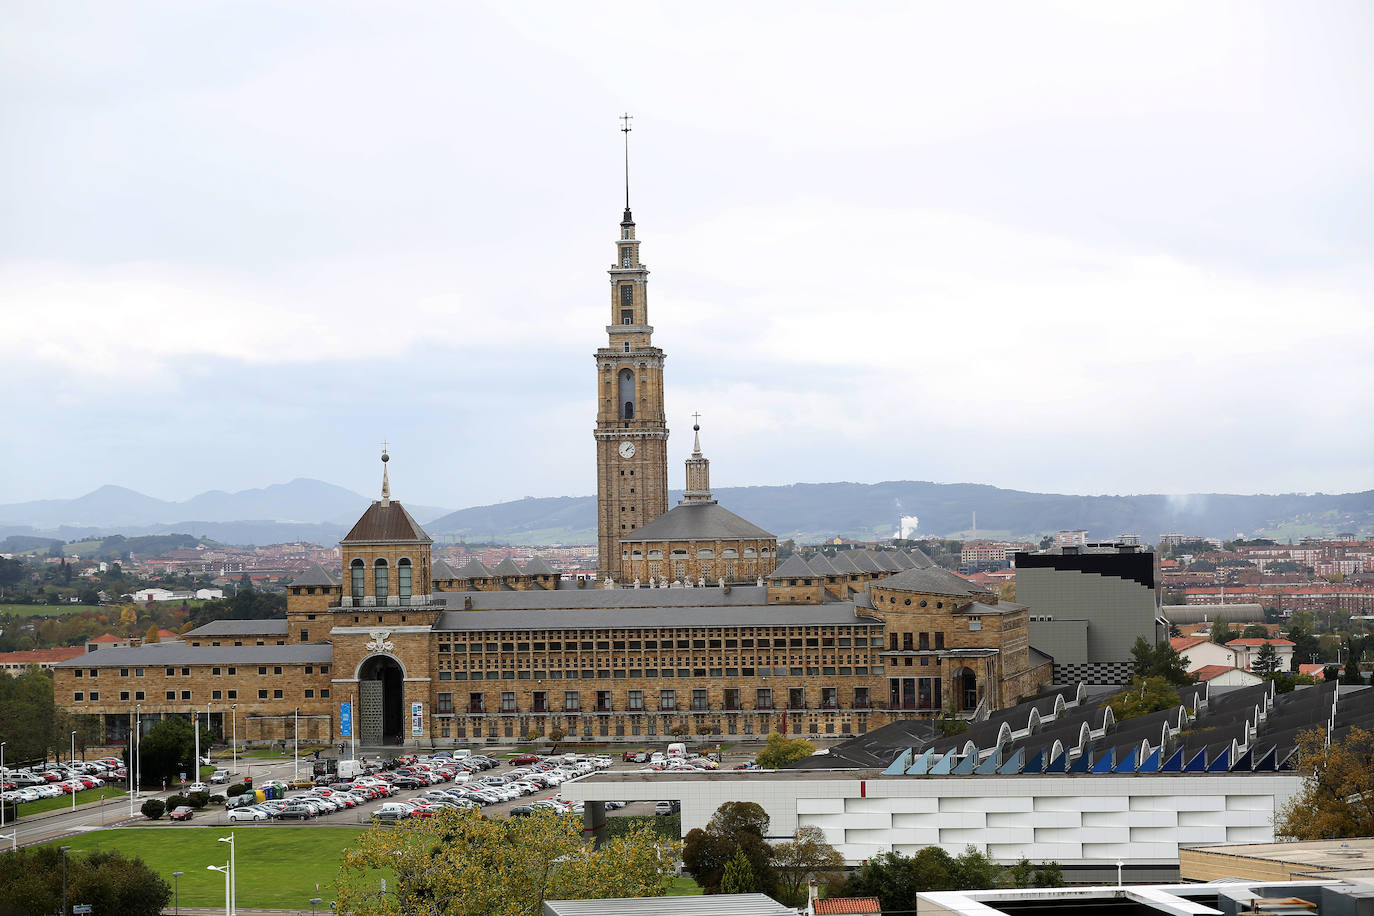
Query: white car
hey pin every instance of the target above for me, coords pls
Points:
(197, 787)
(219, 777)
(248, 813)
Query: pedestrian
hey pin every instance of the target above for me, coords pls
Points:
(164, 783)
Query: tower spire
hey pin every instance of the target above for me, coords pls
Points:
(386, 482)
(698, 469)
(625, 129)
(696, 435)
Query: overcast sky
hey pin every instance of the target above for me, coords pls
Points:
(1071, 247)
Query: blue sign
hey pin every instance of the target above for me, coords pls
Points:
(345, 720)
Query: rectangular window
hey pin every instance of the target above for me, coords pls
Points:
(763, 698)
(138, 695)
(541, 701)
(403, 582)
(381, 584)
(233, 695)
(939, 640)
(262, 669)
(124, 694)
(796, 698)
(508, 701)
(732, 698)
(276, 694)
(216, 694)
(667, 699)
(171, 672)
(445, 702)
(324, 693)
(78, 696)
(636, 700)
(277, 669)
(571, 701)
(94, 696)
(698, 699)
(171, 694)
(186, 694)
(475, 702)
(603, 701)
(357, 584)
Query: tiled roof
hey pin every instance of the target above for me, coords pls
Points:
(474, 569)
(793, 568)
(821, 566)
(386, 521)
(931, 581)
(843, 565)
(919, 557)
(563, 599)
(1179, 643)
(316, 575)
(538, 566)
(238, 627)
(443, 570)
(179, 653)
(848, 906)
(649, 618)
(41, 656)
(109, 637)
(1207, 672)
(1259, 642)
(864, 561)
(698, 521)
(507, 567)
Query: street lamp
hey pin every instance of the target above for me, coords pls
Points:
(225, 870)
(1119, 863)
(176, 889)
(232, 878)
(64, 878)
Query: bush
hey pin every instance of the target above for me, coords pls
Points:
(198, 800)
(235, 790)
(177, 801)
(153, 809)
(217, 800)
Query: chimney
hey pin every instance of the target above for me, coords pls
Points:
(812, 895)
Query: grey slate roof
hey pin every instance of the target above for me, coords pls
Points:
(902, 560)
(977, 608)
(932, 581)
(794, 568)
(316, 575)
(507, 567)
(160, 653)
(864, 560)
(647, 618)
(269, 627)
(920, 558)
(843, 565)
(821, 566)
(700, 522)
(885, 561)
(384, 523)
(563, 599)
(442, 569)
(474, 570)
(538, 566)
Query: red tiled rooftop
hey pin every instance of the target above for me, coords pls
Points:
(843, 905)
(1207, 672)
(108, 637)
(1179, 643)
(39, 656)
(1255, 641)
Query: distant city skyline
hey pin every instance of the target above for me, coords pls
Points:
(1070, 249)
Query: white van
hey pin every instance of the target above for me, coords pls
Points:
(350, 769)
(677, 749)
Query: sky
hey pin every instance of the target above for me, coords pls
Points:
(1064, 247)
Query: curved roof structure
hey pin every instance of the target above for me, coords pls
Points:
(698, 522)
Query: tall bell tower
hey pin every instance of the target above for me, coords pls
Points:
(631, 429)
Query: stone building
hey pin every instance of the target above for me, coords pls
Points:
(681, 635)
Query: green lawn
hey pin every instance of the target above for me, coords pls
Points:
(684, 886)
(47, 610)
(65, 801)
(278, 867)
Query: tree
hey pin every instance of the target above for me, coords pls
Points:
(739, 876)
(805, 858)
(974, 870)
(782, 750)
(1337, 794)
(1354, 649)
(153, 808)
(1143, 697)
(1159, 661)
(31, 883)
(462, 864)
(166, 750)
(1266, 661)
(27, 715)
(151, 635)
(1255, 631)
(736, 826)
(1221, 632)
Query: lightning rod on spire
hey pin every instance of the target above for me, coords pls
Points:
(625, 120)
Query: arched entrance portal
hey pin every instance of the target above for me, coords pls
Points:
(380, 693)
(964, 684)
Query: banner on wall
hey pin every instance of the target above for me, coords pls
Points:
(345, 720)
(417, 720)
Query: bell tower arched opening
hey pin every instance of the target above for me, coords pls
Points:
(381, 685)
(626, 391)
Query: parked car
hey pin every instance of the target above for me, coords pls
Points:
(296, 811)
(219, 777)
(523, 759)
(197, 787)
(182, 813)
(248, 813)
(666, 807)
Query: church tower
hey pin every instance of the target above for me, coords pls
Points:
(631, 428)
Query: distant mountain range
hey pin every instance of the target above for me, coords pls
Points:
(311, 510)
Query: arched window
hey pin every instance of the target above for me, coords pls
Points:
(749, 552)
(627, 394)
(729, 553)
(381, 581)
(357, 571)
(706, 553)
(403, 580)
(655, 554)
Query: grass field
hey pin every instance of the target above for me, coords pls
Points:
(46, 610)
(65, 801)
(684, 886)
(278, 867)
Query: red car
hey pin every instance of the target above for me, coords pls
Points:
(181, 814)
(524, 758)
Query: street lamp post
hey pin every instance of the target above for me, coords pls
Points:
(234, 740)
(1119, 864)
(224, 869)
(176, 889)
(233, 879)
(296, 744)
(64, 879)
